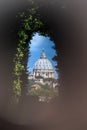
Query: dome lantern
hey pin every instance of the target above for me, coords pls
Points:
(43, 55)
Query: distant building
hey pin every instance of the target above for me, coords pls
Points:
(43, 72)
(43, 67)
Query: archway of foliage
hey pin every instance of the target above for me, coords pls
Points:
(30, 23)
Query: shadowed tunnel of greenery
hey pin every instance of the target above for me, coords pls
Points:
(30, 23)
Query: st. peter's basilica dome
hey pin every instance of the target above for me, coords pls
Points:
(43, 67)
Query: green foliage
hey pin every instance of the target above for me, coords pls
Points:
(30, 83)
(30, 24)
(43, 92)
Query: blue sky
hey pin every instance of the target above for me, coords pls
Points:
(38, 43)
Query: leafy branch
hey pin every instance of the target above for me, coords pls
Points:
(30, 24)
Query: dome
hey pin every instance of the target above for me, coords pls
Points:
(43, 63)
(43, 67)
